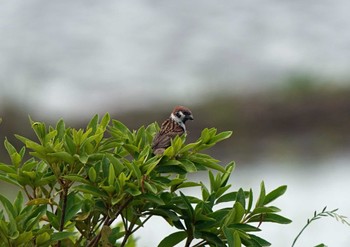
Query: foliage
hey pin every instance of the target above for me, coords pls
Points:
(97, 186)
(324, 213)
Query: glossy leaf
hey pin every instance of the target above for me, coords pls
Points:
(173, 239)
(273, 195)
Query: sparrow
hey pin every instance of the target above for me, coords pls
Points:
(170, 128)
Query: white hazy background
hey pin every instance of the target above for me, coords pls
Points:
(73, 59)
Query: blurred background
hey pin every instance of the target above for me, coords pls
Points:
(276, 73)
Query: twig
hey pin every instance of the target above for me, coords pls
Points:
(317, 216)
(64, 195)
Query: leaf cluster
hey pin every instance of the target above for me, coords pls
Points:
(97, 186)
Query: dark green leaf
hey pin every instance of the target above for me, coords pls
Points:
(211, 238)
(229, 197)
(244, 227)
(170, 169)
(188, 205)
(241, 197)
(90, 190)
(260, 242)
(232, 236)
(270, 217)
(261, 198)
(275, 194)
(173, 239)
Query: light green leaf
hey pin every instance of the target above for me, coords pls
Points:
(92, 174)
(56, 236)
(221, 136)
(62, 156)
(76, 178)
(111, 175)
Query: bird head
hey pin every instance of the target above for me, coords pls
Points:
(181, 114)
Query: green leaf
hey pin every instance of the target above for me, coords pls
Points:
(42, 239)
(10, 210)
(170, 169)
(7, 168)
(39, 129)
(273, 195)
(15, 157)
(56, 236)
(259, 241)
(229, 197)
(188, 184)
(61, 129)
(18, 203)
(263, 210)
(11, 213)
(244, 227)
(221, 136)
(261, 198)
(62, 156)
(111, 175)
(270, 217)
(105, 120)
(188, 165)
(188, 205)
(232, 236)
(173, 239)
(24, 237)
(53, 219)
(239, 212)
(76, 178)
(211, 238)
(39, 201)
(93, 123)
(92, 174)
(90, 190)
(250, 200)
(9, 180)
(241, 197)
(189, 147)
(34, 217)
(229, 169)
(206, 161)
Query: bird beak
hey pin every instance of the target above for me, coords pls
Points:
(190, 117)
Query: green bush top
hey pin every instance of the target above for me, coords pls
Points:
(97, 186)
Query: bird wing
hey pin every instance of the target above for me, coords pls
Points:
(168, 131)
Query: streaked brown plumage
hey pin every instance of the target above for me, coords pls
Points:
(171, 127)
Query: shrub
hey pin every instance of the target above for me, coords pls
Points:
(97, 186)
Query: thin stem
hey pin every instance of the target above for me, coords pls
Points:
(201, 243)
(189, 240)
(108, 221)
(142, 224)
(64, 195)
(27, 193)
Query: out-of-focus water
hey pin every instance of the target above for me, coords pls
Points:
(122, 54)
(310, 187)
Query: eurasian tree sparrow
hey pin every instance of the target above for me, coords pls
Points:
(171, 127)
